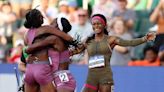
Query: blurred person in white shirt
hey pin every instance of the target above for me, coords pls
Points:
(7, 17)
(121, 55)
(82, 29)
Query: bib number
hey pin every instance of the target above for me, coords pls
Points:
(96, 61)
(63, 77)
(112, 88)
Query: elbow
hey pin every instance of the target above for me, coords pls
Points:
(28, 51)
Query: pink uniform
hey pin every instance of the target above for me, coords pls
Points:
(63, 78)
(39, 72)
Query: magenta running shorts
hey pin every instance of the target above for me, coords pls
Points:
(64, 80)
(40, 73)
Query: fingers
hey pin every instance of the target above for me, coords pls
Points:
(151, 36)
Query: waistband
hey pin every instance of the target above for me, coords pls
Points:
(61, 71)
(39, 62)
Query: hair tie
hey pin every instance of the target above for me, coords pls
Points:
(59, 23)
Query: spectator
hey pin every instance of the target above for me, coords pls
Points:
(15, 52)
(3, 48)
(72, 7)
(17, 36)
(1, 2)
(105, 7)
(121, 55)
(17, 5)
(82, 26)
(128, 15)
(158, 17)
(63, 9)
(138, 4)
(82, 29)
(7, 18)
(49, 13)
(150, 58)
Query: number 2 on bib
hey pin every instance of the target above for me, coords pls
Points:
(63, 77)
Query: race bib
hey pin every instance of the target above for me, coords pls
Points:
(63, 77)
(112, 88)
(96, 61)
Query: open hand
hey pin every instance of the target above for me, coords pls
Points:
(150, 36)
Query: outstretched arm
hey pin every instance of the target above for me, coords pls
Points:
(148, 37)
(133, 42)
(54, 31)
(50, 40)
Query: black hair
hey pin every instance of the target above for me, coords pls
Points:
(66, 25)
(148, 48)
(34, 19)
(105, 30)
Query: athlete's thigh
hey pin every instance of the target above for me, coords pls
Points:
(65, 90)
(85, 89)
(106, 88)
(48, 87)
(31, 88)
(65, 81)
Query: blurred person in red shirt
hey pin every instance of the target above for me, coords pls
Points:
(15, 52)
(150, 58)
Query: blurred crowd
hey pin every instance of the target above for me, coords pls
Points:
(127, 19)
